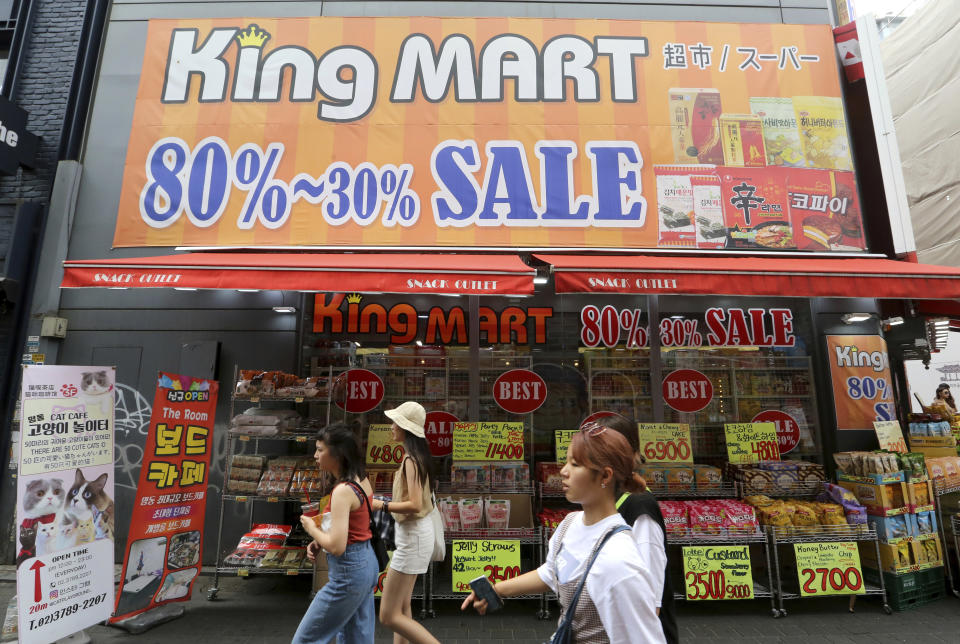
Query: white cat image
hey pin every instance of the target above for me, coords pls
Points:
(46, 538)
(96, 392)
(67, 537)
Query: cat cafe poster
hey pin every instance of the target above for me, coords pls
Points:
(65, 512)
(166, 528)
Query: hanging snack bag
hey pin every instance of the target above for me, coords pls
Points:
(471, 513)
(823, 132)
(675, 211)
(755, 208)
(498, 513)
(825, 210)
(781, 137)
(708, 212)
(694, 124)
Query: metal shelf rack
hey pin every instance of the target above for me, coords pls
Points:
(940, 488)
(819, 534)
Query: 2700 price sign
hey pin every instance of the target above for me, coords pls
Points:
(831, 580)
(713, 584)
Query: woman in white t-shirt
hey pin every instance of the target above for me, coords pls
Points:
(618, 604)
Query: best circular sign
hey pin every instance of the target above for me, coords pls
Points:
(687, 390)
(358, 390)
(788, 430)
(439, 431)
(520, 391)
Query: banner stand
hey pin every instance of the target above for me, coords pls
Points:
(143, 622)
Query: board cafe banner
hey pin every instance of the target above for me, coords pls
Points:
(165, 541)
(488, 132)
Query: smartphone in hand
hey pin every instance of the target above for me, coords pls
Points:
(483, 589)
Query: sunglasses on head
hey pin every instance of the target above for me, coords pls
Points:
(593, 428)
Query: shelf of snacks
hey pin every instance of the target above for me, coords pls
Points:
(723, 490)
(817, 533)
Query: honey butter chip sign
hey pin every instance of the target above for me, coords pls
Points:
(488, 442)
(358, 390)
(520, 391)
(381, 448)
(65, 500)
(890, 436)
(438, 428)
(751, 442)
(687, 390)
(714, 572)
(496, 560)
(665, 442)
(831, 568)
(165, 541)
(788, 430)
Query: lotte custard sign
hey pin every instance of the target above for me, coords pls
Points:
(492, 132)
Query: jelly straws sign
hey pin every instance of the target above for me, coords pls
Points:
(165, 542)
(65, 510)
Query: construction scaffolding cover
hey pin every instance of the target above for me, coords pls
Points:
(923, 80)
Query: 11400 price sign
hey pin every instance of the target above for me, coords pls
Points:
(665, 442)
(831, 568)
(488, 441)
(717, 572)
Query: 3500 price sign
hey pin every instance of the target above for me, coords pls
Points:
(714, 585)
(717, 572)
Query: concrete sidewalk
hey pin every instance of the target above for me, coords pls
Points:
(268, 609)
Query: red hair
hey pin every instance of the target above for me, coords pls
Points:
(607, 448)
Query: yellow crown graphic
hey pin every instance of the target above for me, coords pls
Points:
(354, 298)
(252, 36)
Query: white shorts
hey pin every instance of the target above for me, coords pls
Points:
(414, 541)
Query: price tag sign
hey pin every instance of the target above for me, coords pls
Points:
(381, 448)
(563, 437)
(751, 442)
(890, 435)
(488, 442)
(831, 568)
(665, 442)
(498, 560)
(713, 572)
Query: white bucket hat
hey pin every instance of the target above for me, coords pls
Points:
(410, 416)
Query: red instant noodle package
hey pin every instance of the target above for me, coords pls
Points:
(755, 209)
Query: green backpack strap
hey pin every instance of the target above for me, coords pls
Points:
(623, 497)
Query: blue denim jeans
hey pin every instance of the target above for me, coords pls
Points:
(344, 606)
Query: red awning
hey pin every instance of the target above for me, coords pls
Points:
(740, 275)
(335, 272)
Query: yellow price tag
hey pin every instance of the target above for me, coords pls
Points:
(665, 442)
(273, 499)
(381, 448)
(243, 572)
(890, 435)
(301, 439)
(488, 441)
(831, 568)
(563, 437)
(713, 572)
(243, 438)
(498, 560)
(242, 499)
(254, 399)
(298, 399)
(751, 442)
(293, 572)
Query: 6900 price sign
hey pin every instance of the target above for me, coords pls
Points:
(665, 442)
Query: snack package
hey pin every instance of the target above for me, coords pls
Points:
(708, 211)
(757, 481)
(903, 554)
(758, 500)
(470, 474)
(450, 512)
(694, 123)
(705, 517)
(549, 475)
(674, 516)
(510, 475)
(471, 513)
(804, 516)
(680, 477)
(830, 514)
(742, 138)
(825, 210)
(931, 550)
(497, 513)
(738, 517)
(675, 211)
(926, 522)
(781, 137)
(823, 132)
(755, 209)
(655, 476)
(707, 477)
(921, 494)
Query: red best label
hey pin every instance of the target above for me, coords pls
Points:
(788, 431)
(687, 390)
(520, 391)
(358, 390)
(439, 431)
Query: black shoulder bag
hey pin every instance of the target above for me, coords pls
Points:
(379, 549)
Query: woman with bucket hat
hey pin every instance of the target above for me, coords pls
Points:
(410, 506)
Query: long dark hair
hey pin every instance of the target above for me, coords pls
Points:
(419, 450)
(343, 443)
(949, 397)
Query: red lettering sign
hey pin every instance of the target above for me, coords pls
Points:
(788, 430)
(358, 390)
(439, 432)
(687, 390)
(520, 391)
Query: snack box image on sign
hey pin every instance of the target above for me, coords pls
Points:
(694, 117)
(742, 137)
